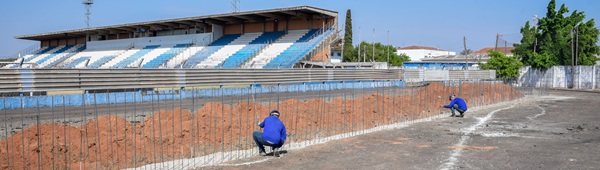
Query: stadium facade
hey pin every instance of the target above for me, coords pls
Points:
(273, 38)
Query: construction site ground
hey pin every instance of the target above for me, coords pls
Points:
(558, 131)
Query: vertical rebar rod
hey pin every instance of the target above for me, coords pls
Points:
(231, 130)
(110, 131)
(181, 155)
(124, 131)
(65, 130)
(99, 152)
(344, 109)
(84, 156)
(53, 124)
(364, 113)
(152, 121)
(39, 138)
(135, 109)
(193, 125)
(160, 135)
(222, 122)
(23, 127)
(297, 131)
(6, 134)
(172, 156)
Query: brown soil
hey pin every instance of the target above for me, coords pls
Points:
(114, 143)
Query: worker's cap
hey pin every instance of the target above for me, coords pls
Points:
(274, 113)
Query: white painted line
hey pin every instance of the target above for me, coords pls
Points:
(451, 161)
(540, 114)
(245, 163)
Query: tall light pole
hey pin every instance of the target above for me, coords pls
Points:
(235, 6)
(88, 6)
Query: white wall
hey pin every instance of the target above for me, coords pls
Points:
(418, 54)
(585, 77)
(199, 39)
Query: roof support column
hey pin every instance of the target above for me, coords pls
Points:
(285, 28)
(242, 28)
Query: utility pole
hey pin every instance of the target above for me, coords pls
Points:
(359, 42)
(497, 38)
(576, 45)
(572, 60)
(373, 44)
(466, 53)
(505, 47)
(388, 49)
(573, 55)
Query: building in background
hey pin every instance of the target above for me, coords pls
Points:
(479, 56)
(417, 53)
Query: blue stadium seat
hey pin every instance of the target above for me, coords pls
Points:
(77, 62)
(298, 50)
(100, 62)
(135, 56)
(37, 54)
(63, 49)
(210, 49)
(162, 58)
(58, 60)
(244, 54)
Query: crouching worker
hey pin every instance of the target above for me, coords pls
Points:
(273, 135)
(457, 104)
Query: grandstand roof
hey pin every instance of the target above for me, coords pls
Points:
(190, 22)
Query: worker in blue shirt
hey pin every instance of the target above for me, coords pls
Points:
(457, 104)
(273, 135)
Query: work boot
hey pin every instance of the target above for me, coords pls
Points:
(276, 152)
(452, 115)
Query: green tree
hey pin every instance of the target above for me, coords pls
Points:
(505, 66)
(554, 39)
(349, 54)
(381, 54)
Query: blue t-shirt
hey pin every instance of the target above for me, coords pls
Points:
(462, 105)
(274, 130)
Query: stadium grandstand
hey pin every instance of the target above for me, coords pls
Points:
(274, 38)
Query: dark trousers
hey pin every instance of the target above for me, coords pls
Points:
(455, 107)
(261, 143)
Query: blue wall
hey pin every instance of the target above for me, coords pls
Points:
(138, 96)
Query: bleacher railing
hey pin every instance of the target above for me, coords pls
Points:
(41, 80)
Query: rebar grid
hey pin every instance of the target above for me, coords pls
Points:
(199, 126)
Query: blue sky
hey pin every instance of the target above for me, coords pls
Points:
(436, 23)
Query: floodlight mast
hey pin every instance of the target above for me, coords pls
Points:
(235, 6)
(88, 5)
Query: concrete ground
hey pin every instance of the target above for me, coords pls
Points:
(559, 131)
